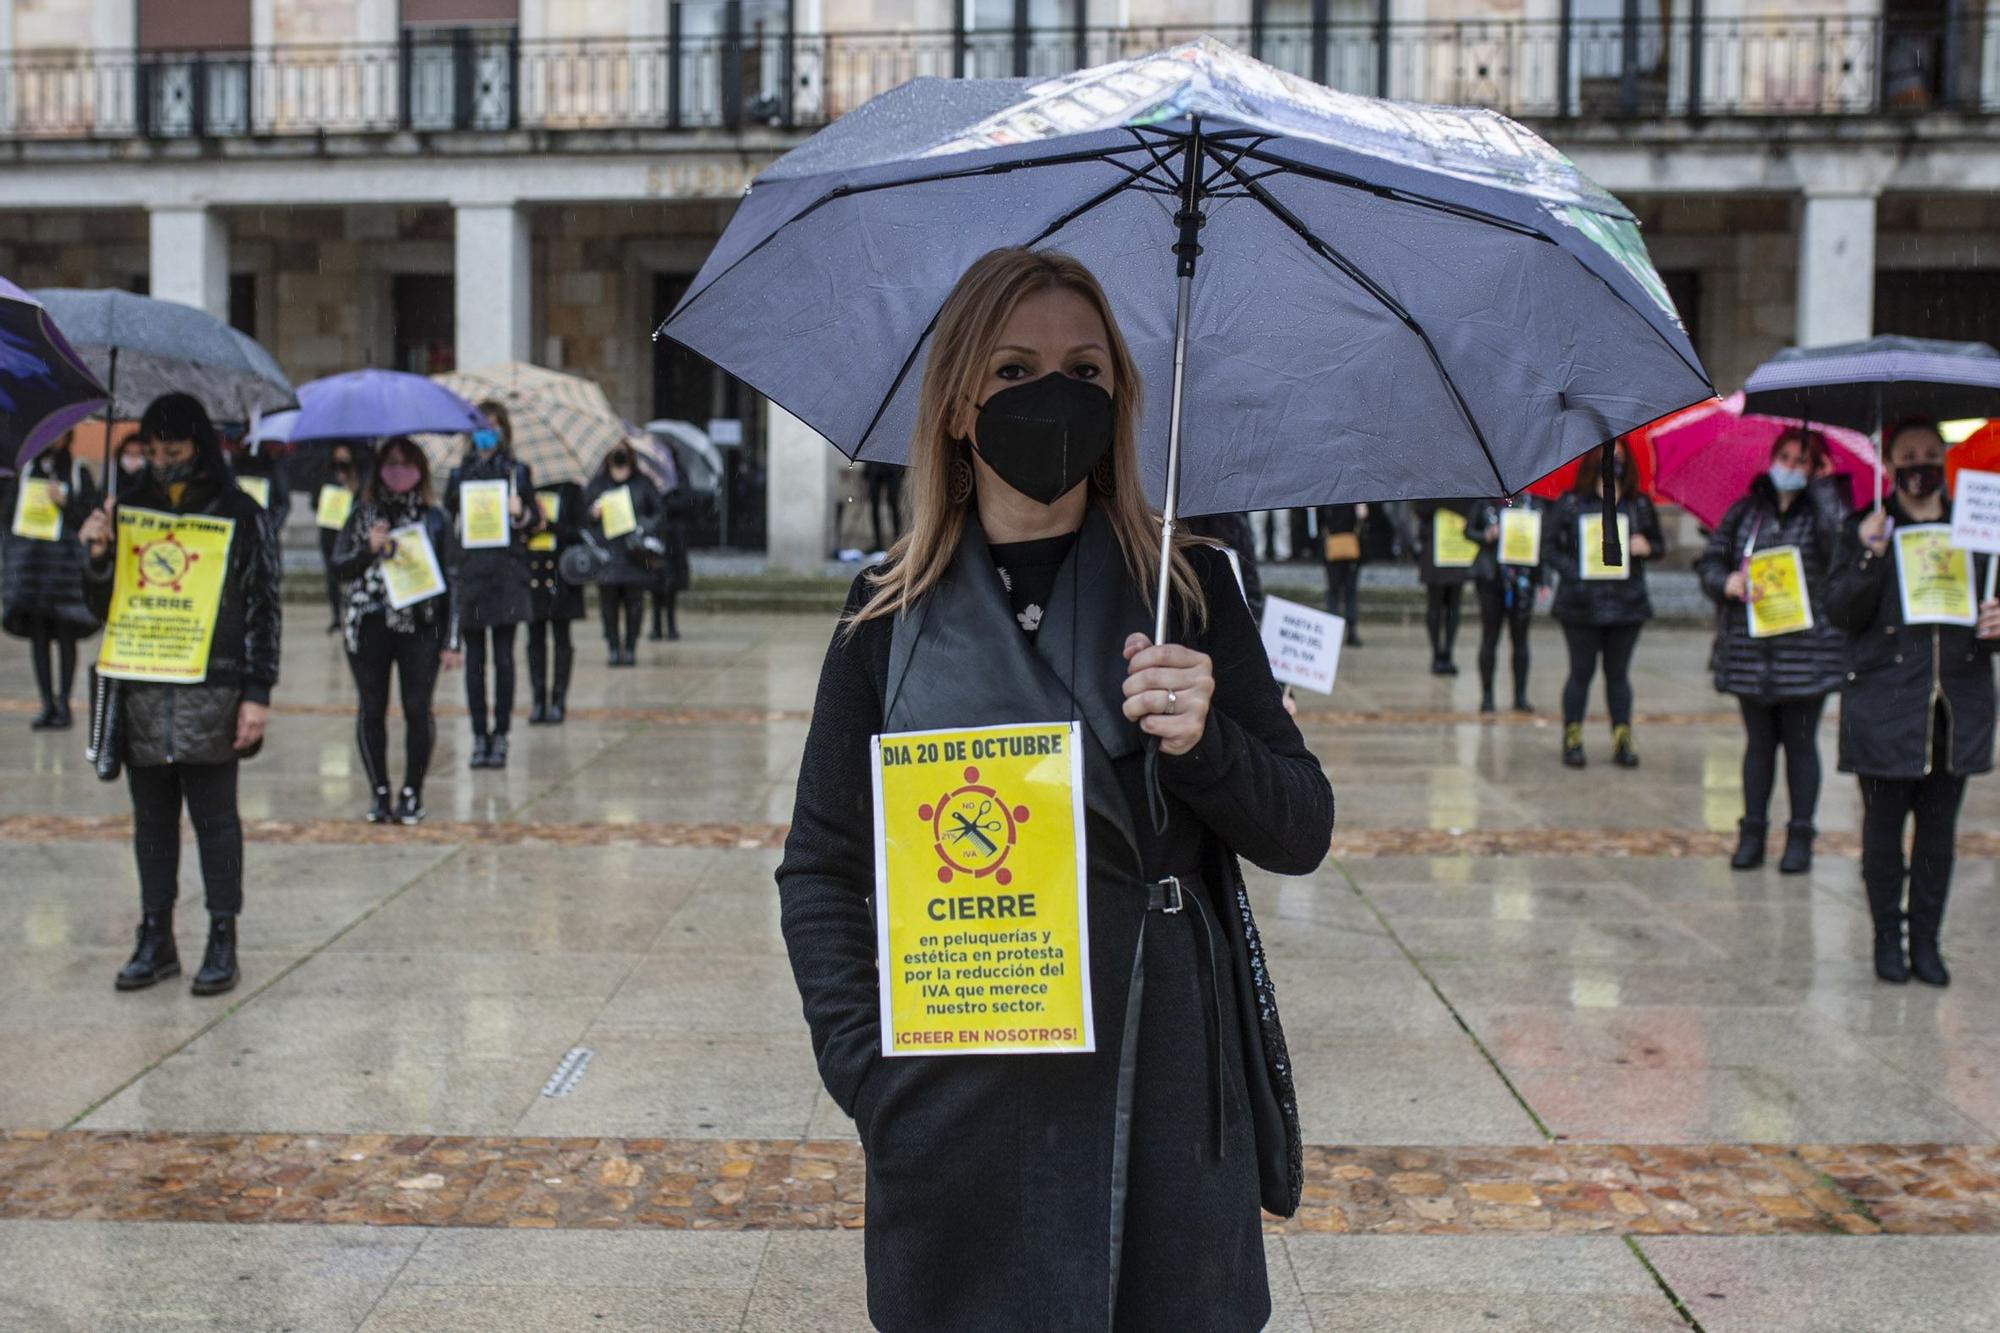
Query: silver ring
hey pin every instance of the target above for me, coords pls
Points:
(1173, 704)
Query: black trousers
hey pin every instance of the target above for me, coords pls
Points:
(541, 634)
(1504, 605)
(1790, 724)
(1587, 643)
(1887, 807)
(414, 657)
(885, 489)
(503, 678)
(663, 611)
(626, 600)
(1441, 601)
(52, 649)
(209, 793)
(1343, 592)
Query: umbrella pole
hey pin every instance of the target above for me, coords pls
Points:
(1186, 248)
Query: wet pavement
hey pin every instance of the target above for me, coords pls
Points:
(1559, 1067)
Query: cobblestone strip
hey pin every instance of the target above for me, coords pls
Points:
(755, 1184)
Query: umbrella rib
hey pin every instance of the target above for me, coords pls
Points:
(1330, 177)
(1389, 302)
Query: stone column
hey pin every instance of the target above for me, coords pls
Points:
(491, 284)
(1836, 293)
(799, 495)
(189, 260)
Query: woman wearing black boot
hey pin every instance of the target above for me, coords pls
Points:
(557, 603)
(621, 588)
(1780, 681)
(180, 743)
(1444, 583)
(492, 582)
(671, 578)
(1507, 590)
(415, 641)
(41, 589)
(1602, 610)
(1916, 718)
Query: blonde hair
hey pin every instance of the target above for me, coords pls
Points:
(968, 327)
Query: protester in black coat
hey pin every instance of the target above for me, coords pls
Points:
(1340, 543)
(621, 587)
(1780, 681)
(1917, 714)
(1601, 617)
(266, 471)
(342, 471)
(492, 583)
(673, 576)
(1444, 585)
(41, 587)
(180, 743)
(416, 641)
(555, 602)
(1507, 594)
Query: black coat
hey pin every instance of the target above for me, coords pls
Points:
(42, 580)
(493, 581)
(553, 598)
(989, 1176)
(1600, 603)
(1804, 665)
(625, 566)
(1898, 673)
(674, 573)
(1428, 571)
(1484, 517)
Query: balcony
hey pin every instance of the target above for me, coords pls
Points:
(490, 80)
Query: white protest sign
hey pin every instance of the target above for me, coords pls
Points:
(1303, 644)
(1975, 517)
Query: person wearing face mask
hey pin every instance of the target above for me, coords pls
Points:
(1916, 717)
(41, 586)
(1601, 610)
(1021, 592)
(1780, 681)
(621, 588)
(131, 459)
(416, 641)
(557, 603)
(1507, 595)
(180, 743)
(265, 470)
(492, 581)
(341, 472)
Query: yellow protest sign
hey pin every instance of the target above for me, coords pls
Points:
(410, 571)
(982, 933)
(1520, 536)
(37, 510)
(1934, 577)
(1779, 603)
(166, 589)
(335, 504)
(615, 512)
(550, 503)
(1450, 547)
(257, 488)
(1590, 548)
(482, 512)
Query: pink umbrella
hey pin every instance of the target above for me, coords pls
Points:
(1708, 455)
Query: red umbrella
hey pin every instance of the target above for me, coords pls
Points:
(1563, 480)
(1979, 451)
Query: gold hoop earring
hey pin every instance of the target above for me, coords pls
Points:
(1104, 478)
(959, 487)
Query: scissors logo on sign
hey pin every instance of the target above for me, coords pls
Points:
(973, 830)
(163, 563)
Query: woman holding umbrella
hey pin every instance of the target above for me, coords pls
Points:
(180, 743)
(1602, 607)
(1022, 591)
(1916, 719)
(623, 507)
(1780, 673)
(556, 602)
(492, 577)
(41, 588)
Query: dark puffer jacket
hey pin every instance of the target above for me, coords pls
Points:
(1429, 572)
(44, 580)
(1804, 665)
(492, 581)
(1600, 603)
(1898, 673)
(1485, 518)
(625, 566)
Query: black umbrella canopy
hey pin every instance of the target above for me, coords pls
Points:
(141, 348)
(1878, 381)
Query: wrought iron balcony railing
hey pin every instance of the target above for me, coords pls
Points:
(488, 79)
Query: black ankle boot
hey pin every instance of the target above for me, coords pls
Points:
(1521, 704)
(218, 962)
(556, 709)
(1749, 844)
(64, 721)
(410, 807)
(1797, 859)
(46, 719)
(1890, 964)
(1573, 745)
(155, 958)
(538, 712)
(1622, 753)
(1926, 964)
(380, 812)
(482, 751)
(496, 750)
(1486, 704)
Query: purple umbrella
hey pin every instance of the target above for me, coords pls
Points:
(365, 404)
(44, 386)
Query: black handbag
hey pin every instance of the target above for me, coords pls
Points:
(584, 563)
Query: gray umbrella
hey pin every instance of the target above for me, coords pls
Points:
(1375, 300)
(1867, 385)
(141, 348)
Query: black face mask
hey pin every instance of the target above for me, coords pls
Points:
(1919, 480)
(1044, 437)
(169, 473)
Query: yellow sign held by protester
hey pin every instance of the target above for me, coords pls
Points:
(482, 512)
(615, 513)
(1450, 547)
(550, 503)
(1934, 577)
(165, 593)
(335, 504)
(38, 512)
(410, 571)
(1590, 548)
(1521, 537)
(257, 488)
(1779, 603)
(982, 928)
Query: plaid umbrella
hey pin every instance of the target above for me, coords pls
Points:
(563, 424)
